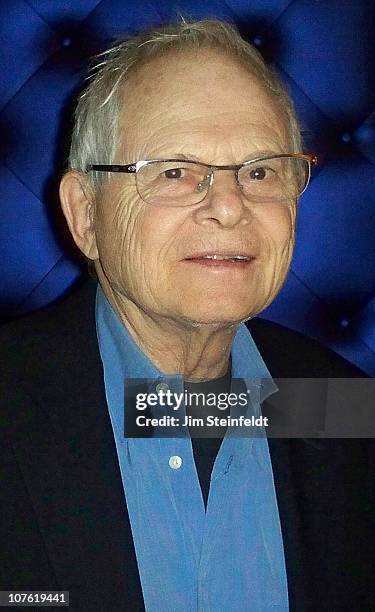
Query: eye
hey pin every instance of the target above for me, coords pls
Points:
(260, 173)
(173, 173)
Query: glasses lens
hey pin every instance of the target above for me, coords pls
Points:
(172, 183)
(275, 179)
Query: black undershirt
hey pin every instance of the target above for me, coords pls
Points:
(206, 441)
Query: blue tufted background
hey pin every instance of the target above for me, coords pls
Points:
(324, 50)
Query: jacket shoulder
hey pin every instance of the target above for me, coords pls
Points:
(288, 353)
(48, 334)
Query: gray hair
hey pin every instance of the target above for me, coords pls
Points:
(95, 132)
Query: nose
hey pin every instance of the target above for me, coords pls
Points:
(224, 203)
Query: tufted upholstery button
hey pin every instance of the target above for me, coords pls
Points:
(258, 40)
(346, 137)
(66, 42)
(344, 323)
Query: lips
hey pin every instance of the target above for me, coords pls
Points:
(220, 256)
(224, 261)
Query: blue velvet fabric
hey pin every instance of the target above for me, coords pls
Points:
(325, 53)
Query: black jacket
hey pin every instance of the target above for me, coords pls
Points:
(64, 523)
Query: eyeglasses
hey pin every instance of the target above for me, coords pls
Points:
(176, 182)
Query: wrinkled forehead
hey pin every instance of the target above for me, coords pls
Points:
(198, 94)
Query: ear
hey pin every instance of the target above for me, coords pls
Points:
(77, 203)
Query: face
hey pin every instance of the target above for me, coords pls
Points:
(207, 109)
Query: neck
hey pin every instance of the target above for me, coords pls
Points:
(196, 351)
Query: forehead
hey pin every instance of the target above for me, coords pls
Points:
(200, 101)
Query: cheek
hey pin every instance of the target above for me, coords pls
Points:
(277, 244)
(278, 230)
(157, 230)
(115, 222)
(136, 241)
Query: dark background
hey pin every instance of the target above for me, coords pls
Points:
(324, 50)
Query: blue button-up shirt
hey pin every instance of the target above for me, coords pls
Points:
(226, 558)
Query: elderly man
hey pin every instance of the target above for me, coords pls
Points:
(185, 171)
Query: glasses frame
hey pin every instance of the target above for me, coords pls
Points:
(134, 167)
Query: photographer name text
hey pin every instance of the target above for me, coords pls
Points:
(209, 421)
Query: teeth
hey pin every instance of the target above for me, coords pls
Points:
(220, 257)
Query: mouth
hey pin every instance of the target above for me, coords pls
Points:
(237, 260)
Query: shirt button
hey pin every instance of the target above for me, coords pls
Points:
(162, 388)
(175, 462)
